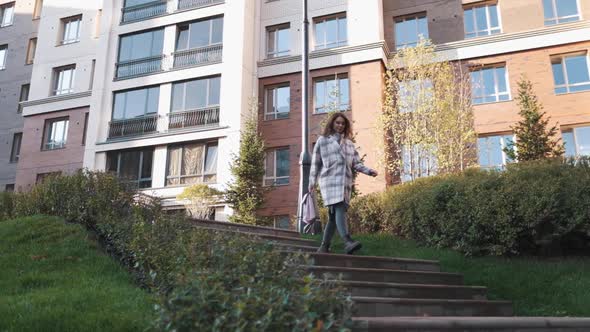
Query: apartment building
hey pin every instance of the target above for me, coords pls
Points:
(19, 21)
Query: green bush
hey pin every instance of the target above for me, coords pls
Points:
(6, 205)
(531, 208)
(366, 214)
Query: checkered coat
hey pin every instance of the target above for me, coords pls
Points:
(333, 163)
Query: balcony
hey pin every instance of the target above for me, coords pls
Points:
(202, 117)
(162, 7)
(133, 127)
(198, 56)
(139, 67)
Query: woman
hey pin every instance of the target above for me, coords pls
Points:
(334, 158)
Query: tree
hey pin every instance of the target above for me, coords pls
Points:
(200, 198)
(427, 119)
(533, 140)
(246, 192)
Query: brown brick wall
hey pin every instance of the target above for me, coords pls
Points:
(365, 97)
(34, 161)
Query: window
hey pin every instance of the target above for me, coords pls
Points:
(133, 166)
(571, 73)
(196, 94)
(85, 128)
(413, 94)
(15, 151)
(7, 14)
(71, 29)
(200, 34)
(277, 43)
(64, 80)
(410, 30)
(192, 163)
(489, 85)
(491, 151)
(141, 45)
(136, 103)
(276, 165)
(24, 96)
(330, 32)
(38, 8)
(577, 141)
(332, 93)
(31, 49)
(277, 102)
(42, 177)
(418, 161)
(481, 20)
(9, 187)
(3, 51)
(56, 133)
(560, 11)
(282, 222)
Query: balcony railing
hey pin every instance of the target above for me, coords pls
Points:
(144, 11)
(197, 56)
(186, 4)
(133, 127)
(194, 118)
(139, 67)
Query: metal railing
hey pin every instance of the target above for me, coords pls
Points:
(132, 127)
(198, 56)
(186, 4)
(140, 66)
(144, 11)
(194, 118)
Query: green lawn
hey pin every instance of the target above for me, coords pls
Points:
(53, 277)
(537, 287)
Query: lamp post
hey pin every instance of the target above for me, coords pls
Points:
(304, 159)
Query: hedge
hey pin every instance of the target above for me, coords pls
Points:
(530, 208)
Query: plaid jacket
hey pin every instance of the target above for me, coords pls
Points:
(333, 164)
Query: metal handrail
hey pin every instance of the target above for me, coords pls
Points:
(200, 55)
(141, 66)
(159, 8)
(134, 126)
(194, 118)
(185, 4)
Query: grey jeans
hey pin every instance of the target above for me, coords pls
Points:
(336, 219)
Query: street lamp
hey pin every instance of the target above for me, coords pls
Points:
(304, 160)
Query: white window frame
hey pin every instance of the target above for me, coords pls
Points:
(503, 146)
(497, 93)
(274, 115)
(273, 179)
(3, 22)
(4, 56)
(60, 87)
(574, 132)
(561, 59)
(323, 20)
(489, 30)
(324, 80)
(275, 30)
(50, 137)
(184, 92)
(418, 35)
(557, 19)
(68, 24)
(203, 177)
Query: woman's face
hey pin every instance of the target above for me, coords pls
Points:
(339, 125)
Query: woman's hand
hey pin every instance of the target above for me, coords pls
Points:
(311, 189)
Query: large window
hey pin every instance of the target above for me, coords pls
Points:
(15, 151)
(409, 30)
(413, 94)
(24, 96)
(133, 166)
(276, 165)
(560, 11)
(418, 161)
(277, 41)
(200, 34)
(192, 163)
(491, 151)
(481, 20)
(6, 14)
(331, 93)
(3, 51)
(277, 103)
(56, 133)
(141, 45)
(71, 29)
(571, 73)
(136, 103)
(63, 79)
(489, 85)
(331, 31)
(577, 141)
(196, 94)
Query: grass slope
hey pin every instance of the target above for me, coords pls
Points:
(53, 277)
(537, 287)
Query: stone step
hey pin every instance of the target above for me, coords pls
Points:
(266, 237)
(384, 275)
(387, 307)
(375, 262)
(246, 228)
(294, 247)
(471, 324)
(414, 291)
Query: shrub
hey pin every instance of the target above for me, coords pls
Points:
(366, 214)
(6, 205)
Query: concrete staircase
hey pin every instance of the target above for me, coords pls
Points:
(395, 294)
